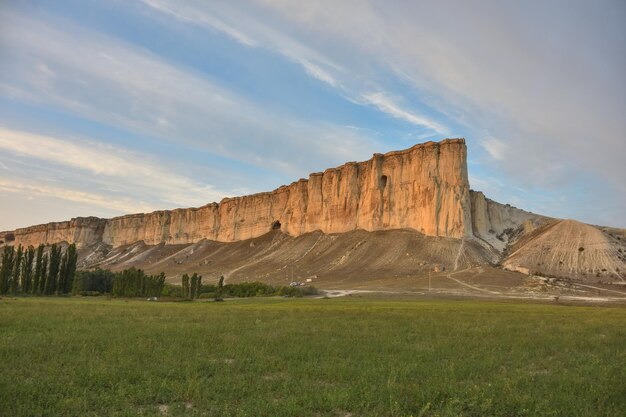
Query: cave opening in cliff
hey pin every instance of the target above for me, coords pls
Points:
(383, 181)
(276, 225)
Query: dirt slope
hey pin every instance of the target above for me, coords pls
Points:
(274, 257)
(570, 249)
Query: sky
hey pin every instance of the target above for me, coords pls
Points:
(124, 106)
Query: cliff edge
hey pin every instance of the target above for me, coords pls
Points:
(424, 188)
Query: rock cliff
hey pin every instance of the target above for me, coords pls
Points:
(424, 188)
(84, 231)
(498, 224)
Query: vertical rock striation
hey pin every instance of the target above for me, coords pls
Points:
(497, 223)
(424, 188)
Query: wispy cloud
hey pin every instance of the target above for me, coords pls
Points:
(251, 33)
(182, 12)
(317, 72)
(496, 148)
(116, 169)
(112, 82)
(313, 62)
(388, 105)
(30, 189)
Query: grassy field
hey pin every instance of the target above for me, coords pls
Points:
(304, 357)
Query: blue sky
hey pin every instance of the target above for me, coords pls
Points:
(114, 107)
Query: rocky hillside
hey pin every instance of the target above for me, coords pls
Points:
(276, 257)
(567, 248)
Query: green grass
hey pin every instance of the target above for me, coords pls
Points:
(303, 357)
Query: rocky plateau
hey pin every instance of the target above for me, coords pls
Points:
(400, 214)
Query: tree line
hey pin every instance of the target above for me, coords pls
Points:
(47, 272)
(191, 285)
(136, 283)
(35, 271)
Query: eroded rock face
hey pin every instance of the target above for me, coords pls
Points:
(497, 223)
(84, 231)
(424, 188)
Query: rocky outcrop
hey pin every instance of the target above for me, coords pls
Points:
(498, 224)
(424, 188)
(84, 231)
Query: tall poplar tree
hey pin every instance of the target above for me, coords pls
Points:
(196, 283)
(62, 274)
(44, 274)
(14, 285)
(70, 268)
(27, 270)
(8, 256)
(186, 288)
(38, 270)
(53, 271)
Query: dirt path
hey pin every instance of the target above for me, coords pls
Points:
(458, 255)
(470, 285)
(599, 288)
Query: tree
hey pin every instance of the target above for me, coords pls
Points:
(62, 271)
(160, 284)
(44, 274)
(27, 270)
(53, 272)
(67, 270)
(185, 285)
(8, 256)
(220, 289)
(38, 270)
(17, 266)
(135, 283)
(198, 285)
(98, 280)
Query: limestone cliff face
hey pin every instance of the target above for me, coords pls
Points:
(495, 223)
(424, 188)
(84, 231)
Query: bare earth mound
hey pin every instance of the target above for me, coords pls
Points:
(279, 258)
(570, 249)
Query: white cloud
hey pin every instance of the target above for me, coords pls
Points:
(317, 72)
(315, 64)
(182, 12)
(116, 168)
(496, 148)
(30, 189)
(107, 80)
(251, 33)
(387, 105)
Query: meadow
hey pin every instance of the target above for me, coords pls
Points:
(344, 357)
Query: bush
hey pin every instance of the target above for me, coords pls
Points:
(170, 290)
(90, 293)
(207, 295)
(241, 290)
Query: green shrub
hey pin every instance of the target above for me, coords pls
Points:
(90, 293)
(170, 290)
(207, 295)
